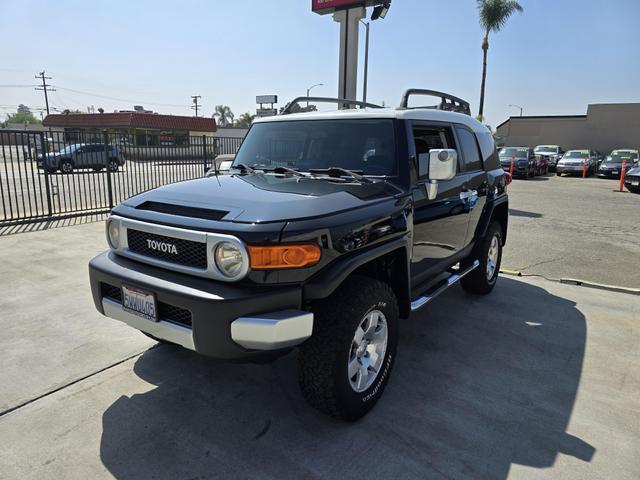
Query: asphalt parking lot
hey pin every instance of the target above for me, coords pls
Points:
(574, 227)
(537, 380)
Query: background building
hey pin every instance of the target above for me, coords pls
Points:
(605, 127)
(133, 128)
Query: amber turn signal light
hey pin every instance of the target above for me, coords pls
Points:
(284, 256)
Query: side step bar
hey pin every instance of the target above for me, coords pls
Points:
(453, 279)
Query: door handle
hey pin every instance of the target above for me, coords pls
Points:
(469, 198)
(468, 194)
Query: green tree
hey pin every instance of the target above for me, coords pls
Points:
(22, 118)
(493, 16)
(244, 120)
(224, 115)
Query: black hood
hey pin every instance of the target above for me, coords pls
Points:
(259, 197)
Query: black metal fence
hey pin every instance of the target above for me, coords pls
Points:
(45, 175)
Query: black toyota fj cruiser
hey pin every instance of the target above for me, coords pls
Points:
(327, 230)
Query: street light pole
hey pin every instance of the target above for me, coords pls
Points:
(366, 61)
(516, 106)
(311, 87)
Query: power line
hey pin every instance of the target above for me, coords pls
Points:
(44, 88)
(116, 98)
(195, 103)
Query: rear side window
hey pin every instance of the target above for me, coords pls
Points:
(469, 147)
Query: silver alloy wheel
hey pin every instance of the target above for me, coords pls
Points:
(368, 349)
(492, 257)
(67, 167)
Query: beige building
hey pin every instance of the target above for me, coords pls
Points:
(605, 127)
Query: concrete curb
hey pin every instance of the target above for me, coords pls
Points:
(577, 282)
(515, 273)
(600, 286)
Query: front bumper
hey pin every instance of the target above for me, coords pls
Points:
(569, 169)
(519, 170)
(608, 173)
(632, 181)
(225, 321)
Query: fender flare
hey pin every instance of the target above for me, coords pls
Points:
(329, 279)
(488, 215)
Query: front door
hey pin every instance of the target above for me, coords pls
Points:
(440, 224)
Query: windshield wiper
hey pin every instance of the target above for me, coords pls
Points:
(339, 172)
(243, 168)
(282, 170)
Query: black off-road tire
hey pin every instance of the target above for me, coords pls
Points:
(477, 281)
(323, 359)
(66, 166)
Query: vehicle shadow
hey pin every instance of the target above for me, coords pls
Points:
(480, 383)
(523, 213)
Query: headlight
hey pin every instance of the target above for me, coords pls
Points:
(113, 233)
(229, 259)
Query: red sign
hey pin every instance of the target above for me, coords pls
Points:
(330, 6)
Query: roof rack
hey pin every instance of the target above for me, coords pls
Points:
(447, 102)
(340, 101)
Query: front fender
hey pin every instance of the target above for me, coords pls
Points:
(329, 279)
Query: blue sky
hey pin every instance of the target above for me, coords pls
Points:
(555, 58)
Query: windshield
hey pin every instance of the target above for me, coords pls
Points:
(546, 149)
(617, 156)
(514, 152)
(576, 154)
(69, 149)
(365, 146)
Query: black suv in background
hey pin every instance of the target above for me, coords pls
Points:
(524, 161)
(327, 230)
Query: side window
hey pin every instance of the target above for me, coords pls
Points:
(469, 147)
(432, 138)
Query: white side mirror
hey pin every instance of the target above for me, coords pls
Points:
(442, 164)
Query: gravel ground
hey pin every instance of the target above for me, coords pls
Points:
(569, 227)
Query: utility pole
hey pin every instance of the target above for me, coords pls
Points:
(44, 87)
(366, 61)
(195, 103)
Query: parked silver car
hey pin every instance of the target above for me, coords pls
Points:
(552, 153)
(82, 155)
(573, 162)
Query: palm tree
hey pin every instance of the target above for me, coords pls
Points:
(244, 120)
(493, 15)
(224, 115)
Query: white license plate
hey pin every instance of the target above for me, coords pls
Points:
(139, 303)
(635, 183)
(615, 172)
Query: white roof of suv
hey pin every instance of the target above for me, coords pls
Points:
(427, 114)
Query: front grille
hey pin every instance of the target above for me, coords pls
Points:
(186, 252)
(167, 312)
